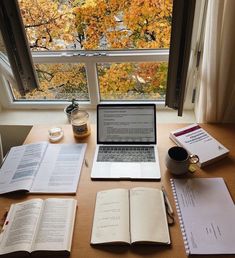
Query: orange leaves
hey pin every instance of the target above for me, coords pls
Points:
(100, 24)
(49, 24)
(132, 81)
(106, 24)
(150, 23)
(60, 81)
(97, 24)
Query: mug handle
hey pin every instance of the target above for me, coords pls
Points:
(193, 159)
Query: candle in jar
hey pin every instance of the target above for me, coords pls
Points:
(80, 123)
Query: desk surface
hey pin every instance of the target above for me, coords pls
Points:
(87, 189)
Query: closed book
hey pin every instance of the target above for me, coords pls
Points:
(198, 141)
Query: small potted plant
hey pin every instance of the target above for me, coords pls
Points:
(68, 110)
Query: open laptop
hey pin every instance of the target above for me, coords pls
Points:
(126, 142)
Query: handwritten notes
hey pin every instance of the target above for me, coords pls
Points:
(110, 223)
(130, 216)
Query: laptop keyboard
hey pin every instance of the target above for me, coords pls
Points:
(126, 154)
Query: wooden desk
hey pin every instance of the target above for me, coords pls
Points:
(87, 189)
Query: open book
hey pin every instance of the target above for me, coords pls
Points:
(197, 141)
(130, 216)
(38, 227)
(42, 168)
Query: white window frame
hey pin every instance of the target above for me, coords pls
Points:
(90, 59)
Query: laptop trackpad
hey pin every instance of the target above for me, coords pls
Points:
(124, 169)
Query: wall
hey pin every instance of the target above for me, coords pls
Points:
(13, 135)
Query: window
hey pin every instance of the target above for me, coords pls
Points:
(180, 51)
(92, 50)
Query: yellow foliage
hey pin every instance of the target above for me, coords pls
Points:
(99, 24)
(47, 22)
(141, 22)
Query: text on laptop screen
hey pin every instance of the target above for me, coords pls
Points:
(126, 124)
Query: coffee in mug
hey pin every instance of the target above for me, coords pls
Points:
(178, 160)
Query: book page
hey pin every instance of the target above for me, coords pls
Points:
(60, 169)
(55, 229)
(148, 216)
(207, 213)
(111, 217)
(20, 167)
(20, 226)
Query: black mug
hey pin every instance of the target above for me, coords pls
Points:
(178, 160)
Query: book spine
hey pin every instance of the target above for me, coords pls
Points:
(182, 228)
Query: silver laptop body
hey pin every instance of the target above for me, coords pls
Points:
(126, 142)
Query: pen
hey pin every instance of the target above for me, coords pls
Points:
(167, 201)
(86, 163)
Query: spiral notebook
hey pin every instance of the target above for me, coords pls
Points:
(206, 213)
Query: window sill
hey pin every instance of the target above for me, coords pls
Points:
(57, 117)
(16, 124)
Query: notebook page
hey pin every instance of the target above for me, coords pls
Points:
(148, 216)
(206, 212)
(111, 217)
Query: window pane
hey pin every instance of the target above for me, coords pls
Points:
(132, 81)
(59, 81)
(97, 24)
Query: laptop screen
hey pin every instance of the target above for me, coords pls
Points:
(126, 123)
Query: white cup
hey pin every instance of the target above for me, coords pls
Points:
(178, 160)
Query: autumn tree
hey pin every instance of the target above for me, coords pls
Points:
(49, 24)
(127, 24)
(99, 24)
(133, 81)
(123, 24)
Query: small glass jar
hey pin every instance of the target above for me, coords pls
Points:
(80, 123)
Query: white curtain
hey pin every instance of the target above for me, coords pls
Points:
(217, 82)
